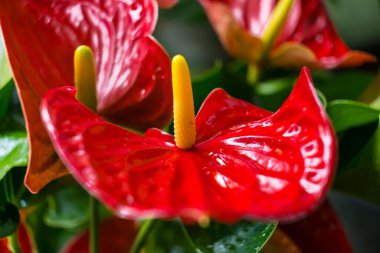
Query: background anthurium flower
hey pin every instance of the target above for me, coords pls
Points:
(246, 162)
(307, 38)
(133, 82)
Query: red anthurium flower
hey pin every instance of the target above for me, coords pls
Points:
(133, 87)
(321, 231)
(116, 235)
(244, 161)
(307, 36)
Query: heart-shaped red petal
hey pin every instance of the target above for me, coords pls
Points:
(246, 162)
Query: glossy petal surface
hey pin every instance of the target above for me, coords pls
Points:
(246, 162)
(41, 37)
(116, 236)
(321, 231)
(307, 38)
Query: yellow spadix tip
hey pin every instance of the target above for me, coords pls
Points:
(85, 76)
(183, 104)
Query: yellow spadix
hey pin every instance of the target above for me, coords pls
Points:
(85, 76)
(183, 104)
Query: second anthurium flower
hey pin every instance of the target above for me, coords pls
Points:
(133, 83)
(285, 33)
(232, 160)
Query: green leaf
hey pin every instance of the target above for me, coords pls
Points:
(13, 141)
(47, 239)
(203, 84)
(5, 70)
(168, 237)
(13, 151)
(9, 219)
(270, 94)
(359, 149)
(346, 114)
(173, 236)
(342, 84)
(360, 176)
(67, 208)
(273, 91)
(322, 98)
(220, 76)
(244, 236)
(5, 97)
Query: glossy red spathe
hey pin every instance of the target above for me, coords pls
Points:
(307, 38)
(246, 162)
(133, 82)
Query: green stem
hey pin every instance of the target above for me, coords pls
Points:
(189, 240)
(143, 233)
(12, 195)
(253, 75)
(94, 225)
(11, 198)
(20, 192)
(6, 192)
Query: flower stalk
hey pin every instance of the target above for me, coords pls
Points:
(145, 229)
